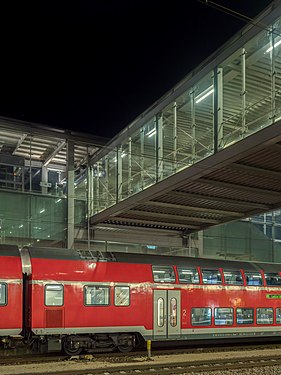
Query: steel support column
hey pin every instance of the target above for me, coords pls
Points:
(193, 126)
(243, 94)
(175, 138)
(217, 109)
(119, 174)
(70, 194)
(159, 147)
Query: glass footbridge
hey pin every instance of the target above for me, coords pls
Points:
(207, 152)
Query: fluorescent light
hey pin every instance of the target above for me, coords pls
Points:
(275, 45)
(123, 154)
(43, 210)
(58, 200)
(21, 226)
(199, 98)
(151, 132)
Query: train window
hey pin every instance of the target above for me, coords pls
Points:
(53, 295)
(163, 274)
(223, 316)
(244, 316)
(122, 295)
(173, 312)
(188, 275)
(96, 295)
(3, 294)
(265, 316)
(272, 279)
(253, 278)
(201, 316)
(211, 276)
(278, 315)
(160, 312)
(233, 277)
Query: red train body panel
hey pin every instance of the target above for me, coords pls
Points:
(116, 300)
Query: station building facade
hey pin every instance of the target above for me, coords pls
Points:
(52, 181)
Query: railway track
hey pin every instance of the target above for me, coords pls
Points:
(176, 368)
(117, 357)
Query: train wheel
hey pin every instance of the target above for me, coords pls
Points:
(71, 347)
(126, 346)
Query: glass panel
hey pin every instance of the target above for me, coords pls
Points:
(148, 153)
(163, 274)
(96, 295)
(264, 316)
(3, 294)
(122, 296)
(54, 295)
(188, 275)
(272, 279)
(201, 316)
(211, 276)
(233, 277)
(173, 312)
(223, 316)
(258, 74)
(278, 315)
(160, 312)
(253, 278)
(244, 316)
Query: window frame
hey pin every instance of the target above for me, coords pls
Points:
(99, 286)
(265, 324)
(6, 294)
(245, 308)
(275, 315)
(211, 269)
(231, 284)
(188, 268)
(224, 325)
(45, 293)
(122, 286)
(271, 273)
(201, 325)
(163, 282)
(254, 272)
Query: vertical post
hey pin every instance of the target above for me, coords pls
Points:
(70, 194)
(44, 179)
(106, 183)
(175, 138)
(220, 106)
(30, 169)
(129, 166)
(119, 174)
(243, 94)
(215, 111)
(193, 126)
(273, 77)
(142, 158)
(89, 199)
(159, 147)
(148, 345)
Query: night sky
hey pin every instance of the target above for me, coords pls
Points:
(94, 66)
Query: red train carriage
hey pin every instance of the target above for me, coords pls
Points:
(115, 299)
(11, 291)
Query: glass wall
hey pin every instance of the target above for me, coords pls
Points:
(29, 219)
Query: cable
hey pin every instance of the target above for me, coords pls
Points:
(235, 14)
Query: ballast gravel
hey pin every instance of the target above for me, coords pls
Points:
(88, 365)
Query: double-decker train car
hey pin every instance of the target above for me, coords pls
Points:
(88, 300)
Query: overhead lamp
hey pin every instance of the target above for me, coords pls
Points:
(275, 45)
(203, 96)
(151, 132)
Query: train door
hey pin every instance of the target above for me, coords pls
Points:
(166, 315)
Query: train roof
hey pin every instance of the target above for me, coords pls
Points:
(9, 250)
(135, 258)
